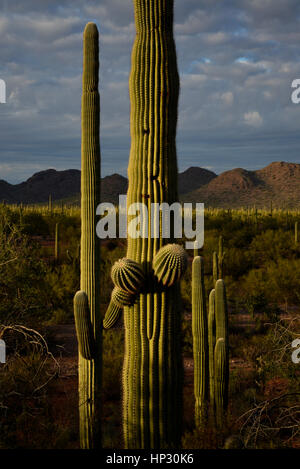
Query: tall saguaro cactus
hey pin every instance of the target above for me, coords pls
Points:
(200, 341)
(152, 370)
(87, 302)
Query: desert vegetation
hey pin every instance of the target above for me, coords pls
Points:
(38, 385)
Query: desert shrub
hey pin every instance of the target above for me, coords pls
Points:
(23, 292)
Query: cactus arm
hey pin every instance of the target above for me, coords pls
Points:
(84, 330)
(221, 380)
(112, 315)
(170, 263)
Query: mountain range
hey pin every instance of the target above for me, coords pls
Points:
(278, 182)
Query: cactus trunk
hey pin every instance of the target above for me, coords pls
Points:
(56, 253)
(221, 354)
(152, 370)
(211, 346)
(200, 341)
(89, 311)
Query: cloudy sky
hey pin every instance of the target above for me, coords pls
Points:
(237, 60)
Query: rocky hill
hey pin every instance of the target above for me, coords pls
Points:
(278, 182)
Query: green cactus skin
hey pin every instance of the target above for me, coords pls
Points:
(84, 331)
(56, 253)
(112, 315)
(122, 298)
(296, 233)
(90, 370)
(221, 257)
(169, 264)
(128, 275)
(222, 355)
(200, 341)
(152, 370)
(50, 203)
(221, 380)
(211, 345)
(221, 311)
(215, 267)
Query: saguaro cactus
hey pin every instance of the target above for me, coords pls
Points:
(152, 370)
(87, 301)
(211, 345)
(200, 341)
(215, 267)
(221, 256)
(56, 248)
(221, 353)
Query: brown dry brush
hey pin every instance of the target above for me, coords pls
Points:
(275, 421)
(24, 381)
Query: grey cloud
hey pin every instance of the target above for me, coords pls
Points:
(231, 113)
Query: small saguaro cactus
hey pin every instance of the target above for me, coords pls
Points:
(87, 301)
(221, 256)
(200, 341)
(215, 267)
(211, 346)
(56, 248)
(50, 203)
(221, 353)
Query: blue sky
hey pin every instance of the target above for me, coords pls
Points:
(237, 60)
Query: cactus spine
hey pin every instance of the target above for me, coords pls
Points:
(87, 302)
(200, 341)
(152, 370)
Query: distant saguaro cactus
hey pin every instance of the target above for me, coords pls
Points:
(221, 257)
(87, 301)
(56, 248)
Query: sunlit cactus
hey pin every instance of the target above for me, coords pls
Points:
(152, 370)
(112, 315)
(89, 365)
(170, 263)
(128, 275)
(200, 342)
(211, 345)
